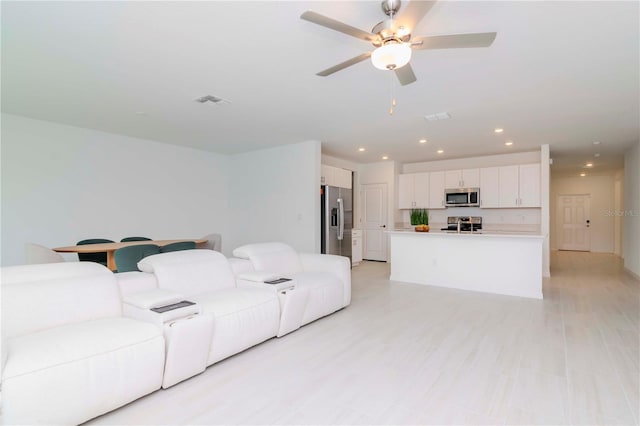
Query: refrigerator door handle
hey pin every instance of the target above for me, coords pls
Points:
(340, 219)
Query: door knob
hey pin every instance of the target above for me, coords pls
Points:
(383, 226)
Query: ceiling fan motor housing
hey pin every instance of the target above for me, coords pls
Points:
(391, 7)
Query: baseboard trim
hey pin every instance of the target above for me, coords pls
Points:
(633, 274)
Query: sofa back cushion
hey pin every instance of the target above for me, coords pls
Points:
(190, 272)
(39, 297)
(271, 257)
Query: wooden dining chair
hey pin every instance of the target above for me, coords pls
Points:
(93, 257)
(127, 258)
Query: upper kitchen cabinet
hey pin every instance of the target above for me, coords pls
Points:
(529, 185)
(510, 186)
(436, 190)
(335, 176)
(413, 191)
(490, 187)
(465, 178)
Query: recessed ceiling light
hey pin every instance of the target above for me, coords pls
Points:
(422, 141)
(583, 174)
(589, 165)
(440, 151)
(361, 149)
(384, 157)
(597, 154)
(597, 142)
(508, 143)
(498, 130)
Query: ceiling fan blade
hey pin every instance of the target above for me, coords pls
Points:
(344, 64)
(453, 41)
(330, 23)
(405, 75)
(413, 13)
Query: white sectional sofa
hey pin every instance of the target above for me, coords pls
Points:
(243, 317)
(68, 354)
(324, 279)
(79, 341)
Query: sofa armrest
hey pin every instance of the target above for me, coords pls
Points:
(338, 265)
(138, 306)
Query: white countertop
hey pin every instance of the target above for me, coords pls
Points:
(485, 234)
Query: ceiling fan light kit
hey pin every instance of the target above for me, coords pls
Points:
(391, 56)
(393, 41)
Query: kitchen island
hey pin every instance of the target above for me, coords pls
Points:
(501, 263)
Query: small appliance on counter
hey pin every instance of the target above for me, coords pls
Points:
(463, 224)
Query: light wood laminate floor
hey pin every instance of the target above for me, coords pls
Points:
(411, 354)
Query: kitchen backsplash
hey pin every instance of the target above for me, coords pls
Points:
(492, 219)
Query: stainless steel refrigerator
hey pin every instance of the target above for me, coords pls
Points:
(337, 220)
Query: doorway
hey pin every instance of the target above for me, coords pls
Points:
(374, 221)
(573, 222)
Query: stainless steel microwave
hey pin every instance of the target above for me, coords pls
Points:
(462, 197)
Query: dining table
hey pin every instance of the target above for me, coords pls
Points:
(110, 248)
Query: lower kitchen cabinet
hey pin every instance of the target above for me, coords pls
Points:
(356, 246)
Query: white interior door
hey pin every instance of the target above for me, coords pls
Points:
(374, 221)
(574, 222)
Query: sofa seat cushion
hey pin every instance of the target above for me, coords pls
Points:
(232, 300)
(73, 373)
(326, 293)
(74, 342)
(244, 317)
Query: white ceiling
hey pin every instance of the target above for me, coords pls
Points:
(559, 73)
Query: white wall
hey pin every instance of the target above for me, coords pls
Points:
(631, 213)
(602, 191)
(61, 184)
(274, 195)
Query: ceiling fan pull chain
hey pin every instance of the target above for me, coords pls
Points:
(393, 100)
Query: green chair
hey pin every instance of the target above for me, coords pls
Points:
(183, 245)
(100, 257)
(127, 258)
(127, 239)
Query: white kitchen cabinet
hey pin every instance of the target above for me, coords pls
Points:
(490, 187)
(335, 176)
(529, 185)
(413, 191)
(326, 174)
(356, 246)
(436, 190)
(509, 193)
(510, 186)
(465, 178)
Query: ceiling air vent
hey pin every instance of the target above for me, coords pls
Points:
(213, 99)
(438, 116)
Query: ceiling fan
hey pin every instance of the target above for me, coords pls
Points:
(393, 40)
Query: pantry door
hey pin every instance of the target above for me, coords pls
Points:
(374, 221)
(573, 214)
